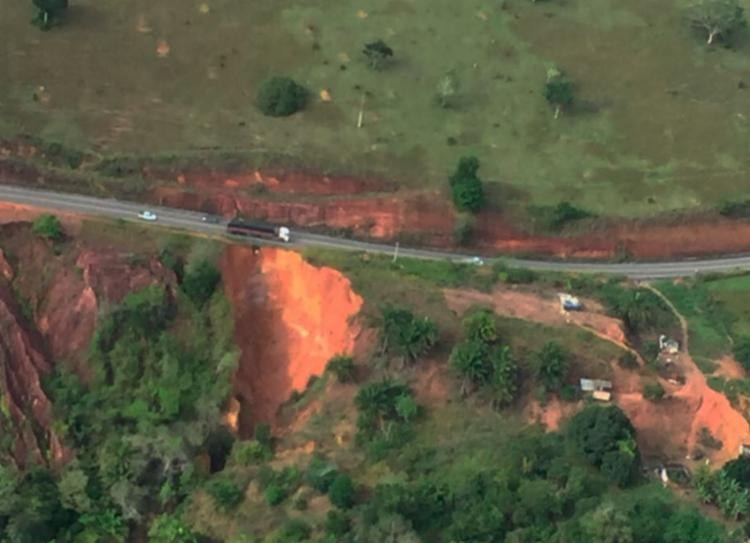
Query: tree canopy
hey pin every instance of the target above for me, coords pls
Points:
(406, 335)
(717, 19)
(48, 227)
(466, 187)
(378, 53)
(605, 436)
(281, 96)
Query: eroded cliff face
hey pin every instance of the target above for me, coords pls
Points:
(290, 319)
(49, 302)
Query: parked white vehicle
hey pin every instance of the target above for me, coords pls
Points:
(474, 260)
(147, 215)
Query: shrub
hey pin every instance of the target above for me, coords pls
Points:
(281, 96)
(48, 227)
(263, 435)
(741, 351)
(225, 493)
(274, 494)
(466, 187)
(200, 282)
(341, 492)
(628, 361)
(293, 531)
(245, 453)
(463, 230)
(569, 393)
(653, 391)
(550, 365)
(342, 367)
(337, 524)
(169, 529)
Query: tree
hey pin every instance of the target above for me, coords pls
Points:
(504, 376)
(342, 366)
(281, 96)
(73, 490)
(653, 391)
(49, 12)
(718, 19)
(605, 436)
(406, 335)
(168, 528)
(200, 282)
(558, 90)
(550, 365)
(341, 492)
(447, 89)
(480, 325)
(466, 187)
(377, 52)
(733, 500)
(470, 359)
(48, 227)
(606, 524)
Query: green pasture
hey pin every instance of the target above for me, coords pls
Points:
(659, 122)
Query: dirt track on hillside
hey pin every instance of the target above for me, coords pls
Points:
(668, 429)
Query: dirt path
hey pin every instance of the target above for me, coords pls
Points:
(680, 318)
(706, 408)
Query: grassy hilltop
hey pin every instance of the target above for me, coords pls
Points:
(657, 121)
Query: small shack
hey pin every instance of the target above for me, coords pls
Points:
(601, 389)
(569, 303)
(668, 345)
(592, 385)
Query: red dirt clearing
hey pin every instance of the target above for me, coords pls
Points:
(532, 306)
(291, 318)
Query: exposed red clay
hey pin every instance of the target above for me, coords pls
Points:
(290, 318)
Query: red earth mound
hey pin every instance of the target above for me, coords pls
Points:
(290, 318)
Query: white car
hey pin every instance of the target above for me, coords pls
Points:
(474, 260)
(147, 215)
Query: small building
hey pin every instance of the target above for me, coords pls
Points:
(570, 303)
(602, 395)
(592, 385)
(668, 345)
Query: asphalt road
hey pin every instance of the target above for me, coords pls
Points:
(192, 221)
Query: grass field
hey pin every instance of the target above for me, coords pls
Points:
(658, 123)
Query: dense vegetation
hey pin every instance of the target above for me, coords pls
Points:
(137, 424)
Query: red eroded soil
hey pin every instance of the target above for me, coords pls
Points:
(533, 306)
(729, 368)
(291, 318)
